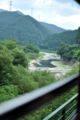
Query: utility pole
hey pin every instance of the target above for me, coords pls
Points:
(32, 12)
(39, 17)
(10, 5)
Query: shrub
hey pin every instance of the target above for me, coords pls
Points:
(19, 58)
(8, 92)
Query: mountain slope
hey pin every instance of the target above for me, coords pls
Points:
(53, 41)
(22, 27)
(28, 30)
(53, 28)
(1, 10)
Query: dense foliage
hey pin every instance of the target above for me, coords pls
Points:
(28, 30)
(52, 42)
(15, 79)
(14, 76)
(70, 52)
(53, 28)
(10, 58)
(21, 27)
(30, 48)
(32, 51)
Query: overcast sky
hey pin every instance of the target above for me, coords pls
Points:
(63, 13)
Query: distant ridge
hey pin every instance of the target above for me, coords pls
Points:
(1, 10)
(22, 27)
(19, 12)
(53, 28)
(54, 40)
(28, 30)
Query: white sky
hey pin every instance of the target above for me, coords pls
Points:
(63, 13)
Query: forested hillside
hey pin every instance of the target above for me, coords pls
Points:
(15, 79)
(21, 27)
(53, 28)
(70, 52)
(53, 41)
(1, 10)
(28, 30)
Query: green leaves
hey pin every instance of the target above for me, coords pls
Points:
(10, 44)
(8, 92)
(31, 51)
(31, 48)
(53, 41)
(69, 52)
(10, 55)
(22, 27)
(78, 37)
(5, 64)
(19, 58)
(13, 61)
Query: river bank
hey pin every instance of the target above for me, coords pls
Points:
(58, 67)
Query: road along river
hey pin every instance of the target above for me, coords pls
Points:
(50, 62)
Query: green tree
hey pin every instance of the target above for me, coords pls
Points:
(5, 64)
(68, 52)
(31, 48)
(10, 44)
(78, 37)
(19, 58)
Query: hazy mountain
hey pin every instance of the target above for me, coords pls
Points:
(22, 27)
(53, 28)
(28, 30)
(20, 13)
(1, 10)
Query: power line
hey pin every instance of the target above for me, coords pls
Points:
(10, 5)
(39, 18)
(32, 10)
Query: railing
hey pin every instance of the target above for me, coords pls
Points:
(16, 108)
(65, 111)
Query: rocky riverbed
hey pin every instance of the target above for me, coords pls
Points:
(50, 62)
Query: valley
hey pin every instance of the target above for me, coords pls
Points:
(24, 66)
(50, 62)
(27, 30)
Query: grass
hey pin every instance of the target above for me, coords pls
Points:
(61, 64)
(41, 54)
(49, 51)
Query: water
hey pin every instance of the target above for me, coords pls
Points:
(46, 63)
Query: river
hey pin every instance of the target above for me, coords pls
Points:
(50, 62)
